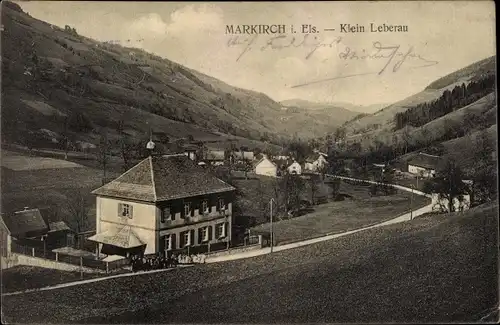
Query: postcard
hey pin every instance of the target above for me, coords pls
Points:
(249, 162)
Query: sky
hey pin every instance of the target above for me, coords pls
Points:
(327, 66)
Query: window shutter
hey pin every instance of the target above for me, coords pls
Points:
(173, 240)
(120, 209)
(131, 211)
(183, 239)
(210, 233)
(191, 237)
(217, 231)
(200, 235)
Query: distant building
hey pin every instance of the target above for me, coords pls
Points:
(242, 155)
(294, 168)
(18, 227)
(60, 235)
(424, 165)
(162, 204)
(317, 164)
(215, 157)
(282, 157)
(6, 242)
(27, 223)
(191, 151)
(266, 167)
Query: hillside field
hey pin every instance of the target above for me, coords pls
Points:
(435, 269)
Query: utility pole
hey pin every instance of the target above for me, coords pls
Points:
(411, 203)
(272, 230)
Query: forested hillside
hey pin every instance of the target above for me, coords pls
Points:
(461, 96)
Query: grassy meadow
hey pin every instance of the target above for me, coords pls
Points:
(435, 269)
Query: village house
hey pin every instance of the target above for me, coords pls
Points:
(25, 224)
(424, 165)
(317, 164)
(215, 157)
(162, 204)
(294, 168)
(282, 157)
(6, 241)
(191, 151)
(266, 167)
(242, 156)
(31, 228)
(20, 226)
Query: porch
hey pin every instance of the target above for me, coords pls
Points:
(118, 241)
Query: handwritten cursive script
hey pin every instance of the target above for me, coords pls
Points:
(388, 53)
(280, 42)
(392, 57)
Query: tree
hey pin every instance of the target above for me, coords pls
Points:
(334, 185)
(299, 150)
(485, 174)
(387, 179)
(68, 138)
(340, 134)
(314, 189)
(448, 182)
(291, 188)
(103, 149)
(425, 134)
(405, 137)
(77, 208)
(127, 147)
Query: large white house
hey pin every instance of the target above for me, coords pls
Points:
(162, 204)
(266, 167)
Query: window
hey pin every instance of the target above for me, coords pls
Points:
(168, 242)
(187, 209)
(186, 238)
(221, 230)
(205, 232)
(125, 210)
(70, 240)
(222, 206)
(166, 214)
(204, 206)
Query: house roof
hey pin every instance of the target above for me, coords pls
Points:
(26, 221)
(215, 155)
(162, 178)
(190, 147)
(243, 155)
(58, 226)
(121, 237)
(282, 163)
(425, 160)
(256, 163)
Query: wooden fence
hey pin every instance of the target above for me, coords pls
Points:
(69, 259)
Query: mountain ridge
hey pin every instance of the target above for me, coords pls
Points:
(49, 69)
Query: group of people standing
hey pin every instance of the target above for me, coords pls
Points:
(157, 261)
